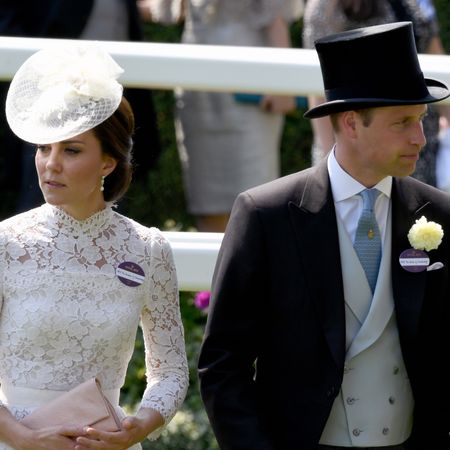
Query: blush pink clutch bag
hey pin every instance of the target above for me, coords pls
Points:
(85, 405)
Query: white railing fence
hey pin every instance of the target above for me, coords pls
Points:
(207, 68)
(195, 256)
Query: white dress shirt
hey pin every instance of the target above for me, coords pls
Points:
(347, 201)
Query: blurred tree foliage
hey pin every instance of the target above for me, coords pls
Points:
(443, 12)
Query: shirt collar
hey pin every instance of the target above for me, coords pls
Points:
(345, 186)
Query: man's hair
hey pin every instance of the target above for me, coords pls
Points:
(366, 115)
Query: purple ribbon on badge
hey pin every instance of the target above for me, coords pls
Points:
(414, 260)
(130, 274)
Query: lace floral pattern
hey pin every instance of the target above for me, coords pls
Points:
(66, 316)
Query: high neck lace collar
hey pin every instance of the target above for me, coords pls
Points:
(89, 226)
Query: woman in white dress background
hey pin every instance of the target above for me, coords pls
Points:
(226, 145)
(76, 277)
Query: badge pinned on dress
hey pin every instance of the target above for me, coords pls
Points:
(130, 274)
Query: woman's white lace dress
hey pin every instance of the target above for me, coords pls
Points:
(66, 316)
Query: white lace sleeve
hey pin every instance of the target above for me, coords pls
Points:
(166, 364)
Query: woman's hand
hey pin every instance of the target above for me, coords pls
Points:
(134, 429)
(132, 432)
(51, 438)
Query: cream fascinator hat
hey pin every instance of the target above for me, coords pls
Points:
(59, 93)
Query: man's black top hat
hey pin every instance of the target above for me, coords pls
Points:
(373, 66)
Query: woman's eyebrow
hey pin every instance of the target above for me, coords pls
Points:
(73, 141)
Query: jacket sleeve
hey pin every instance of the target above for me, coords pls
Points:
(230, 347)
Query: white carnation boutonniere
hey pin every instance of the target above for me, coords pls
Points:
(423, 236)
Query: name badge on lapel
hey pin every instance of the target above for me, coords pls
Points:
(423, 235)
(414, 260)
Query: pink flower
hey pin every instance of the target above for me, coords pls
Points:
(201, 299)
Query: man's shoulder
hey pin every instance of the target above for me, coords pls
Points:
(412, 186)
(284, 188)
(423, 193)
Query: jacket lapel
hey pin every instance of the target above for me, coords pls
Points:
(408, 288)
(314, 221)
(313, 218)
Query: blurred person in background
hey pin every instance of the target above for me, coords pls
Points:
(227, 143)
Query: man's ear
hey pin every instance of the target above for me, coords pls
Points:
(348, 122)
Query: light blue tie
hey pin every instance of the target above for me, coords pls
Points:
(367, 239)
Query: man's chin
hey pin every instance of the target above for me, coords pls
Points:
(405, 171)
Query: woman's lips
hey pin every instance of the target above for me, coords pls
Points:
(54, 184)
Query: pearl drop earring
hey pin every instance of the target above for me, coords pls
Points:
(102, 184)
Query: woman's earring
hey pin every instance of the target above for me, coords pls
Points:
(102, 184)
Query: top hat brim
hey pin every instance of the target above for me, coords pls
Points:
(437, 91)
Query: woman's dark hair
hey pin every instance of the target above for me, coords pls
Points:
(361, 10)
(115, 136)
